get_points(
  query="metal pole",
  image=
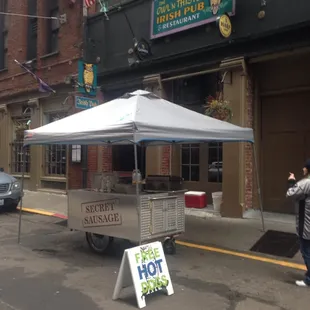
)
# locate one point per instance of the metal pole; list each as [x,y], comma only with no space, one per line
[137,191]
[258,187]
[21,199]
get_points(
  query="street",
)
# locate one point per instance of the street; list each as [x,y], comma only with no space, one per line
[53,268]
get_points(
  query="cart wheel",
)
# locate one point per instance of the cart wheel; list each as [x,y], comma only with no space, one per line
[169,246]
[98,243]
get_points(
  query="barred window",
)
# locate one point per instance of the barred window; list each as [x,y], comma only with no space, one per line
[55,155]
[20,154]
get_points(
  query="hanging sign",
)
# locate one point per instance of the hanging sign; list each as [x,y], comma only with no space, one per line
[171,16]
[84,103]
[87,78]
[142,49]
[146,268]
[225,26]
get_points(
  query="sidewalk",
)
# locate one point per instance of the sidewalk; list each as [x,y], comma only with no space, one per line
[204,228]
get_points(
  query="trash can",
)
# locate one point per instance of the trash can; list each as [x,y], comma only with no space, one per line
[217,201]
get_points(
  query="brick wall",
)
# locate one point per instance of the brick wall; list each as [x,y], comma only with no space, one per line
[165,160]
[75,176]
[53,68]
[248,147]
[107,159]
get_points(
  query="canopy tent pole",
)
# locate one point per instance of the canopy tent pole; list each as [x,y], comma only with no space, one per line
[137,189]
[21,199]
[258,186]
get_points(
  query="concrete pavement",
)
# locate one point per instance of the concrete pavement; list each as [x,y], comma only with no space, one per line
[54,269]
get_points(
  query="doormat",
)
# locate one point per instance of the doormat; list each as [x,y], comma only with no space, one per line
[277,243]
[62,223]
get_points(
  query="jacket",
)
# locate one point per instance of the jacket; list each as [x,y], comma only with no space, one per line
[300,194]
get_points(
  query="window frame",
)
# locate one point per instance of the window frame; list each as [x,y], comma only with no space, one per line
[53,27]
[4,35]
[49,149]
[189,164]
[18,151]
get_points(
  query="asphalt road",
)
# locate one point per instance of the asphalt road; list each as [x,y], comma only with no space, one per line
[54,269]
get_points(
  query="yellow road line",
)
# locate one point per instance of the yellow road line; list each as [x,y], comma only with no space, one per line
[243,255]
[41,212]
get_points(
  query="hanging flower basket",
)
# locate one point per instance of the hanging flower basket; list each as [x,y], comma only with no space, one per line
[218,108]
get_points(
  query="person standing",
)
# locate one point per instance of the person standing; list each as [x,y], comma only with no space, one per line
[300,194]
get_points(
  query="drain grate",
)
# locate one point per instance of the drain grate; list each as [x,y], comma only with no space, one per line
[63,223]
[277,243]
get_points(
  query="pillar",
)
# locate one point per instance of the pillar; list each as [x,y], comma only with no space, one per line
[157,157]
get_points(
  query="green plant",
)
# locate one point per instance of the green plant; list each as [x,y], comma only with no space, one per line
[218,108]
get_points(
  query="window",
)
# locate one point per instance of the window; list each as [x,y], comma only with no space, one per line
[32,31]
[3,34]
[215,167]
[76,153]
[190,162]
[123,158]
[52,27]
[55,155]
[20,154]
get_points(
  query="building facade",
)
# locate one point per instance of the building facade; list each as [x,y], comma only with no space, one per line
[51,49]
[175,49]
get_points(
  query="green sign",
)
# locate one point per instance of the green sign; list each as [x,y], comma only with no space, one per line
[171,16]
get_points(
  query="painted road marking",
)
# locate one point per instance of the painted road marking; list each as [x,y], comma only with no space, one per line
[201,247]
[36,211]
[243,255]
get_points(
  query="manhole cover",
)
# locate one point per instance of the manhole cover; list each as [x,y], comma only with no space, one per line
[277,243]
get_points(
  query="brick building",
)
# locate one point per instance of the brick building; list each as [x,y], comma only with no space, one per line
[52,49]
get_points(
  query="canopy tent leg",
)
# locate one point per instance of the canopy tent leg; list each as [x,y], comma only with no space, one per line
[258,186]
[137,191]
[21,199]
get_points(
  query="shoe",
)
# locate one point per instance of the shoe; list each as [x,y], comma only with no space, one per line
[301,284]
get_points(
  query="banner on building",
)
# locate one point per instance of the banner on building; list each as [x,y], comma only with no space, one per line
[87,78]
[146,268]
[171,16]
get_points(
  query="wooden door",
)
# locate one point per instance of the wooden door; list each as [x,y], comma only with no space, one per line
[285,143]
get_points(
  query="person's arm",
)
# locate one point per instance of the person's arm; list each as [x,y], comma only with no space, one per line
[296,191]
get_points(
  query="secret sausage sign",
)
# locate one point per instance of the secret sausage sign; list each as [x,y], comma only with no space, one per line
[101,213]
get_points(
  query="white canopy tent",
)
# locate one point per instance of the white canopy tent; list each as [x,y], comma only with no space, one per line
[139,117]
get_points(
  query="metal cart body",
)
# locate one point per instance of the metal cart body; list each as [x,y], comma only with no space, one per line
[117,215]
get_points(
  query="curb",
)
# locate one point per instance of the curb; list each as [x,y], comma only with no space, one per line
[42,212]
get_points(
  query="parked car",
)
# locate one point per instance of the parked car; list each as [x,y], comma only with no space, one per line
[10,192]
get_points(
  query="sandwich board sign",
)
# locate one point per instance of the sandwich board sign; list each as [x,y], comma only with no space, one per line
[146,268]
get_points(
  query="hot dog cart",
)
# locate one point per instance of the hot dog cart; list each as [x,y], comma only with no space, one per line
[140,213]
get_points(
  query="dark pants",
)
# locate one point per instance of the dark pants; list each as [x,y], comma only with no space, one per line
[305,252]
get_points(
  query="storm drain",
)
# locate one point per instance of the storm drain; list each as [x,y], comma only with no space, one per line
[277,243]
[62,223]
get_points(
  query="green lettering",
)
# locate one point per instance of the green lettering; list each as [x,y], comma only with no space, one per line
[156,252]
[151,254]
[164,281]
[144,288]
[137,255]
[144,256]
